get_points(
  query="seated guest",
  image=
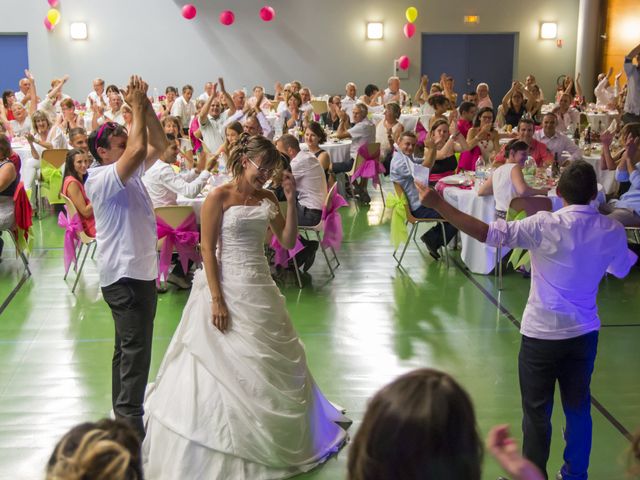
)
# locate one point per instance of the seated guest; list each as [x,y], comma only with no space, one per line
[111,114]
[305,96]
[401,172]
[440,152]
[507,181]
[627,209]
[105,449]
[331,118]
[127,117]
[470,97]
[75,174]
[568,117]
[284,98]
[629,134]
[68,117]
[482,140]
[350,99]
[484,100]
[164,184]
[259,100]
[466,113]
[21,125]
[254,119]
[232,132]
[78,139]
[606,95]
[184,108]
[314,136]
[208,91]
[393,92]
[529,82]
[9,179]
[213,118]
[310,179]
[363,132]
[372,96]
[557,143]
[253,126]
[573,89]
[22,95]
[51,103]
[388,131]
[171,94]
[8,99]
[446,82]
[97,95]
[292,116]
[440,105]
[513,104]
[420,98]
[538,101]
[537,149]
[422,426]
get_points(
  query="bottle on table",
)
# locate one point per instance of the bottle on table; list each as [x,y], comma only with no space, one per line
[481,171]
[576,136]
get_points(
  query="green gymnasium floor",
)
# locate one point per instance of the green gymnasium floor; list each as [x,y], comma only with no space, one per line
[361,329]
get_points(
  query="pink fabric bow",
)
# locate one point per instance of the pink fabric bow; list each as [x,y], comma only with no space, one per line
[421,133]
[332,236]
[283,256]
[72,226]
[370,168]
[440,187]
[183,238]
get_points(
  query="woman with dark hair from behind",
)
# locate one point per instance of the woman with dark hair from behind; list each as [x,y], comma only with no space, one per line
[105,450]
[422,426]
[372,96]
[75,174]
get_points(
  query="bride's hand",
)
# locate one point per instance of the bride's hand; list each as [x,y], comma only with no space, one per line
[220,314]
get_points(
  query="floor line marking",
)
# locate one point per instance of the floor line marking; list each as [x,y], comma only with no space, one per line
[14,292]
[601,408]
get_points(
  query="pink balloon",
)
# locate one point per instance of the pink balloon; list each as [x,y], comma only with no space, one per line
[403,62]
[409,30]
[189,11]
[267,13]
[47,24]
[227,17]
[53,3]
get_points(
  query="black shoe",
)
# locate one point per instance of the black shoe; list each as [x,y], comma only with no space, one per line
[431,246]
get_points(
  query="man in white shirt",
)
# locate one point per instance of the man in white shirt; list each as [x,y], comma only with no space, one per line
[252,118]
[258,95]
[568,117]
[97,95]
[556,142]
[350,99]
[632,103]
[305,96]
[362,133]
[606,95]
[126,238]
[571,250]
[208,91]
[184,108]
[393,92]
[213,120]
[51,103]
[22,95]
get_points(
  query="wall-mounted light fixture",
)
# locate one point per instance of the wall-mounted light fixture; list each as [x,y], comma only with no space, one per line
[375,31]
[472,19]
[78,31]
[548,30]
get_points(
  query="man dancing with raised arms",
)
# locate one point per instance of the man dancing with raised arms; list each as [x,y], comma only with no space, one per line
[126,237]
[571,250]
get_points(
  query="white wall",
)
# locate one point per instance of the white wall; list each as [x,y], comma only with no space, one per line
[320,42]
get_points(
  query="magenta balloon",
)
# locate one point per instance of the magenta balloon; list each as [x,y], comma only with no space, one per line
[47,24]
[189,11]
[227,17]
[53,3]
[267,13]
[409,30]
[403,62]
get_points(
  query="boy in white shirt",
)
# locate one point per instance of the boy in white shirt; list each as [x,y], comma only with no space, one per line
[184,108]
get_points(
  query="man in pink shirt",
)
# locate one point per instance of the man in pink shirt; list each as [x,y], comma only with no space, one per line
[537,150]
[571,250]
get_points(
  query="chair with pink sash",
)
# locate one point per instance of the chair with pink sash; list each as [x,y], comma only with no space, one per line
[177,231]
[75,240]
[421,134]
[368,165]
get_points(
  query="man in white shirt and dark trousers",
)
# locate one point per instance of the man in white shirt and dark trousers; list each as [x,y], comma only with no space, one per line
[126,238]
[571,250]
[632,103]
[311,184]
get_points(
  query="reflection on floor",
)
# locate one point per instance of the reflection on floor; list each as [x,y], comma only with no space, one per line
[361,329]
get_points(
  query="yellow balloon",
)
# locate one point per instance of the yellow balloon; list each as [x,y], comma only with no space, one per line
[54,16]
[411,14]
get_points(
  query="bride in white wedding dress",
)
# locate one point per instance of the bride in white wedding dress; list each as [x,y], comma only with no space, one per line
[234,398]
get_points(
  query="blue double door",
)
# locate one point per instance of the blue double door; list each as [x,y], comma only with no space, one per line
[15,59]
[471,59]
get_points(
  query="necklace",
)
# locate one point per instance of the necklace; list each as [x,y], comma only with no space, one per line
[248,198]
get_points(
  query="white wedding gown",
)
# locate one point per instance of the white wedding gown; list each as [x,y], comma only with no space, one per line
[238,405]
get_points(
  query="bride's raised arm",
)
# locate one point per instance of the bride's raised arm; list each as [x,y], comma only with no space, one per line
[211,223]
[286,231]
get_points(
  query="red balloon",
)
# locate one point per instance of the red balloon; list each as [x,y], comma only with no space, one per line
[267,13]
[227,17]
[53,3]
[47,24]
[189,11]
[409,30]
[403,62]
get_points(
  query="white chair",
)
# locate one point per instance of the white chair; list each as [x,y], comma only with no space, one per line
[85,243]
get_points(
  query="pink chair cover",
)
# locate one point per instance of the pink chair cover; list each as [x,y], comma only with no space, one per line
[283,256]
[72,227]
[370,168]
[184,239]
[421,132]
[332,236]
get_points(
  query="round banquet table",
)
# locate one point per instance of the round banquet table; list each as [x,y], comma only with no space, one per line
[339,152]
[477,256]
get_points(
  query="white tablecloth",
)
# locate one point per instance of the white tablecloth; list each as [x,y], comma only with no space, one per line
[477,256]
[605,177]
[196,203]
[338,152]
[408,120]
[600,121]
